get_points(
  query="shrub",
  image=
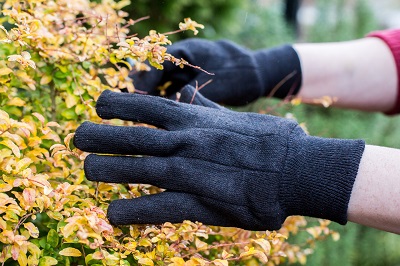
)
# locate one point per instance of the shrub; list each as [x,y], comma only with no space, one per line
[56,58]
[167,14]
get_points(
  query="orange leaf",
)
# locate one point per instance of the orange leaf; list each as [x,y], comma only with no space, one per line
[29,195]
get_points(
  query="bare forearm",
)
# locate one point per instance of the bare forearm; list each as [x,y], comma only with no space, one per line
[375,199]
[361,74]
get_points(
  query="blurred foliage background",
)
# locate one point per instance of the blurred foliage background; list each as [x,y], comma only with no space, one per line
[259,24]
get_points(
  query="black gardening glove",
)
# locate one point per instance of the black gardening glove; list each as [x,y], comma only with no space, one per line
[190,95]
[218,166]
[241,76]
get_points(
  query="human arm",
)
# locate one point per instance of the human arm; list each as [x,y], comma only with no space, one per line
[375,200]
[360,74]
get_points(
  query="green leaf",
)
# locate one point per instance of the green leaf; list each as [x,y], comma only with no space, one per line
[88,258]
[52,238]
[69,114]
[42,243]
[47,261]
[86,64]
[63,68]
[59,82]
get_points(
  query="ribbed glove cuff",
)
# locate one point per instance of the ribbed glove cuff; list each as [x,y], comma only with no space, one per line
[319,176]
[280,70]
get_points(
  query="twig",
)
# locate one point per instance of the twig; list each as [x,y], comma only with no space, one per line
[199,88]
[108,40]
[172,32]
[205,84]
[133,22]
[277,86]
[77,86]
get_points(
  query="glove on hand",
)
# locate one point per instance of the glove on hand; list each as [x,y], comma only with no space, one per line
[192,96]
[218,167]
[241,76]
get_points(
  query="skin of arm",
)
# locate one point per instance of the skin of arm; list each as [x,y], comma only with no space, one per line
[359,74]
[375,198]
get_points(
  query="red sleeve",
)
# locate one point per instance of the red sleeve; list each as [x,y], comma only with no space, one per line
[392,39]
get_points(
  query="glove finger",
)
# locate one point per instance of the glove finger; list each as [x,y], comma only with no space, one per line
[192,96]
[147,81]
[107,139]
[173,173]
[176,207]
[152,110]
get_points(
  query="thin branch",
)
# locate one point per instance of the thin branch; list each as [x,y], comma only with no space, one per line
[133,22]
[277,86]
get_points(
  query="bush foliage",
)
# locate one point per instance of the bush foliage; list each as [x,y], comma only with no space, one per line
[55,60]
[167,14]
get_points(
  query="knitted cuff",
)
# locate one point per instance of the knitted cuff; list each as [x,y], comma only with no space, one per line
[392,39]
[280,70]
[319,176]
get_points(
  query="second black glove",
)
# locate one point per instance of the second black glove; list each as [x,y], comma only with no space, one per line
[240,75]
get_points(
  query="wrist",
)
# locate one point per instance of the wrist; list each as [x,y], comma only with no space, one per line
[279,70]
[319,176]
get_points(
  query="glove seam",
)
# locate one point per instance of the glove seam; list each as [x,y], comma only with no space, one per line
[282,172]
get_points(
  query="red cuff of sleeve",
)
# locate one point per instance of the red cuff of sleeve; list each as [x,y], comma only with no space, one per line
[392,39]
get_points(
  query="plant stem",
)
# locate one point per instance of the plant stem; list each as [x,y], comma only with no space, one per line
[53,94]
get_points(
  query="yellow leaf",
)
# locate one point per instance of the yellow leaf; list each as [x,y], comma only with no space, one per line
[296,101]
[335,236]
[5,187]
[177,261]
[34,250]
[12,146]
[200,245]
[144,242]
[22,259]
[67,140]
[22,164]
[5,71]
[97,255]
[45,80]
[314,231]
[198,261]
[219,262]
[70,252]
[5,122]
[145,262]
[32,229]
[48,261]
[16,102]
[71,100]
[29,195]
[248,253]
[40,117]
[226,255]
[52,124]
[34,141]
[264,244]
[17,139]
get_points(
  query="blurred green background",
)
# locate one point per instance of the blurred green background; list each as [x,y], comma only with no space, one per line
[259,24]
